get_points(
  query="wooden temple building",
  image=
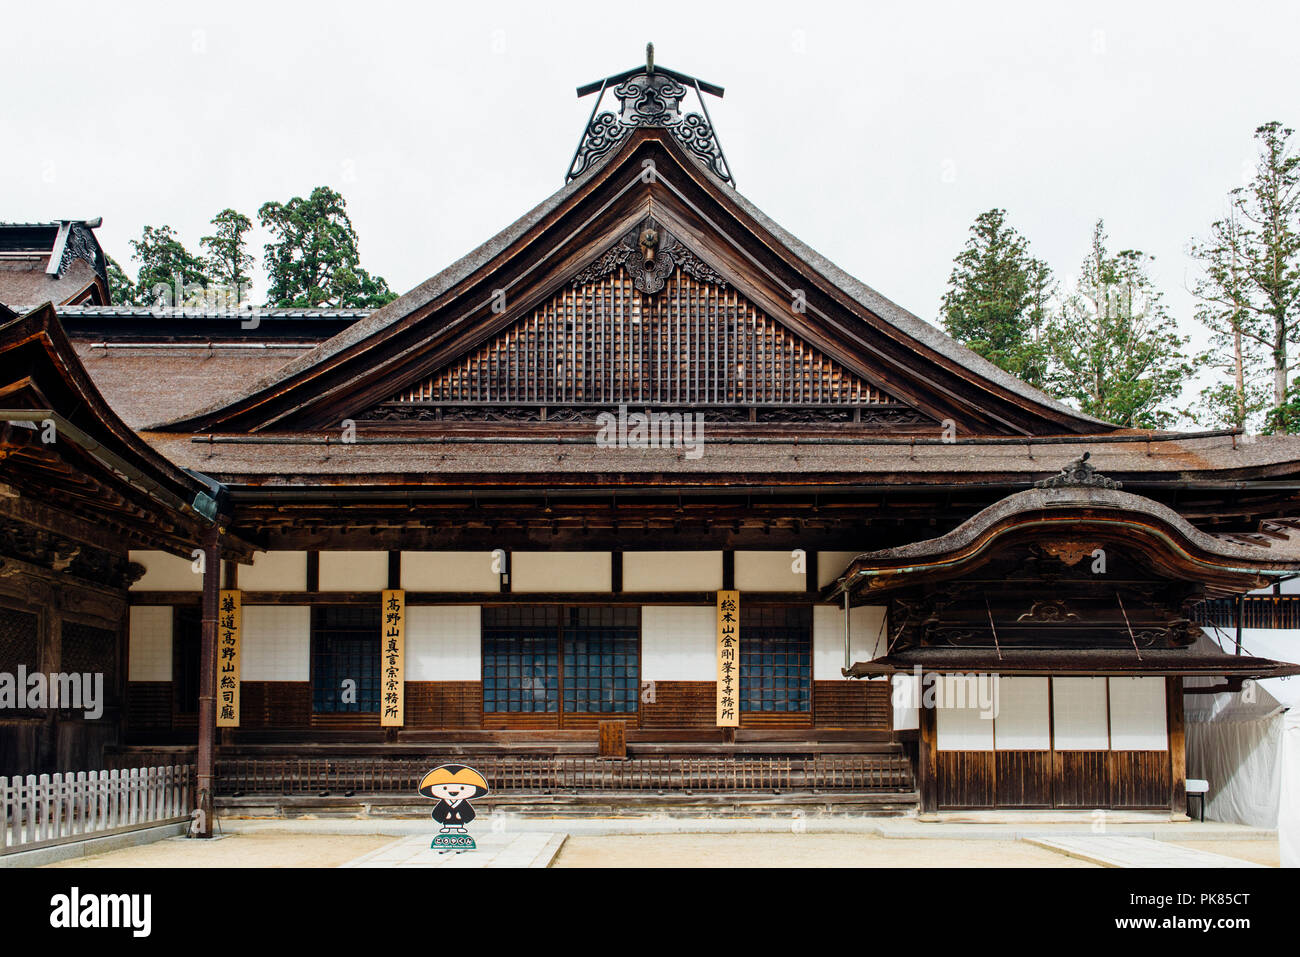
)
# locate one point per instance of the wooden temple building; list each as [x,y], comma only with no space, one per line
[641,501]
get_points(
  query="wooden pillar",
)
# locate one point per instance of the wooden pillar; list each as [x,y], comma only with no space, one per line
[208,679]
[927,740]
[1177,748]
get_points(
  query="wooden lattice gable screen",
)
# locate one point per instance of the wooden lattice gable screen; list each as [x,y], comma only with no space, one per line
[693,344]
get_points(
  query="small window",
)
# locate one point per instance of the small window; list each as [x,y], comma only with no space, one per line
[775,658]
[345,659]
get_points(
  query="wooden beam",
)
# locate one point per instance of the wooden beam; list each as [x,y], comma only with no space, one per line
[208,680]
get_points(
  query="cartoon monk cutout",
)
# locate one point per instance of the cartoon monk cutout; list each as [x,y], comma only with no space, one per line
[453,786]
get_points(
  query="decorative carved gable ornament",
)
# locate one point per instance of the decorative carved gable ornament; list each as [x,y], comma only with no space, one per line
[649,254]
[650,97]
[1078,474]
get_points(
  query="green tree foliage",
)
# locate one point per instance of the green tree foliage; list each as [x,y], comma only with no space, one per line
[997,302]
[165,262]
[1250,283]
[228,262]
[313,261]
[1236,351]
[1116,351]
[121,290]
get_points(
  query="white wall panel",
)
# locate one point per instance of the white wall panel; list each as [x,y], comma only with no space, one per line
[866,640]
[678,643]
[166,572]
[451,571]
[1137,715]
[275,571]
[831,564]
[1023,722]
[963,729]
[672,571]
[444,643]
[768,571]
[353,571]
[276,643]
[560,572]
[1079,714]
[149,654]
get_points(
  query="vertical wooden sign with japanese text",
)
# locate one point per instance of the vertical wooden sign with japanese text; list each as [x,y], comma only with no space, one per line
[728,659]
[392,712]
[230,617]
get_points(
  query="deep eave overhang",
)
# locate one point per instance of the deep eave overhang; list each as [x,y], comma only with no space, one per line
[1172,663]
[42,381]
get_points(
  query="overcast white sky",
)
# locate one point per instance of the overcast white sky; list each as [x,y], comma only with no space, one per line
[874,132]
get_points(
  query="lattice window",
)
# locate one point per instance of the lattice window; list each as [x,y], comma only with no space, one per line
[605,343]
[17,640]
[601,660]
[521,659]
[775,658]
[345,647]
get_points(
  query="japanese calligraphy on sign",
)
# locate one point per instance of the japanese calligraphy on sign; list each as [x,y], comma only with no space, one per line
[728,659]
[392,702]
[230,616]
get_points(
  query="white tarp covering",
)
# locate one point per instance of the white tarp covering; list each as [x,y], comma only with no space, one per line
[1247,745]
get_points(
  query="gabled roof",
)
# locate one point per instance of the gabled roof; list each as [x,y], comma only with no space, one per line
[58,262]
[63,447]
[453,312]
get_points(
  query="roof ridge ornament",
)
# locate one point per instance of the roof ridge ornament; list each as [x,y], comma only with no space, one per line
[650,97]
[1078,474]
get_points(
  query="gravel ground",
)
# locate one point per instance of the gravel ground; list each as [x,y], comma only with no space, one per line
[262,849]
[800,850]
[1258,852]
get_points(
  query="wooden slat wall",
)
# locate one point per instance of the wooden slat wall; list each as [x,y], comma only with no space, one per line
[605,342]
[853,704]
[149,705]
[1139,779]
[776,719]
[1081,778]
[274,704]
[965,779]
[444,704]
[1023,778]
[680,704]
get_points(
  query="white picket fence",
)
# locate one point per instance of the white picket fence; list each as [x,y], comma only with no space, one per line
[50,807]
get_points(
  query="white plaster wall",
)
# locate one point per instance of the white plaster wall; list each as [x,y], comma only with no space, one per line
[963,729]
[1023,721]
[905,692]
[353,571]
[768,571]
[444,643]
[672,571]
[165,572]
[866,640]
[275,571]
[831,564]
[149,652]
[451,571]
[1137,714]
[679,643]
[276,643]
[560,571]
[1079,714]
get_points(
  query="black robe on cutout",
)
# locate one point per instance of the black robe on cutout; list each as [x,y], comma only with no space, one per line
[449,816]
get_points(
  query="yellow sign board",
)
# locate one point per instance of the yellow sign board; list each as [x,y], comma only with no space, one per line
[728,659]
[230,616]
[392,699]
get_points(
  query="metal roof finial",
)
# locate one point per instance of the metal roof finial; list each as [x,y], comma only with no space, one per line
[650,58]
